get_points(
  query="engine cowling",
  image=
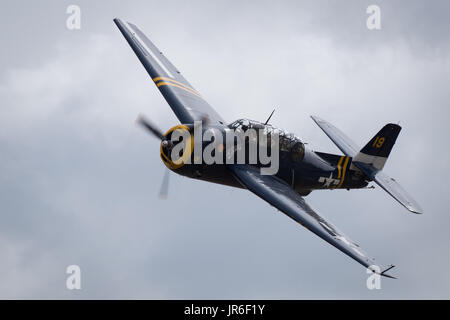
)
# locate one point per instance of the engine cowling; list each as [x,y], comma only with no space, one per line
[179,134]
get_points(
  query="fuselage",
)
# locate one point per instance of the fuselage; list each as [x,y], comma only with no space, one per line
[303,169]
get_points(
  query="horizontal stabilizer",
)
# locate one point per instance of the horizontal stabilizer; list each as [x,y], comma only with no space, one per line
[397,192]
[344,143]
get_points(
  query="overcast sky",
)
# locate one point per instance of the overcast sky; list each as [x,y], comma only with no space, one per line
[79,180]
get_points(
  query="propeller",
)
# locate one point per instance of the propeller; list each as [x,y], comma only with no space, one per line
[155,131]
[150,127]
[164,190]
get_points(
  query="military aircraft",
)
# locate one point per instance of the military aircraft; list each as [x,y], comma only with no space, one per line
[300,170]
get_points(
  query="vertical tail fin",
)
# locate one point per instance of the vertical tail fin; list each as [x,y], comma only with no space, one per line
[376,152]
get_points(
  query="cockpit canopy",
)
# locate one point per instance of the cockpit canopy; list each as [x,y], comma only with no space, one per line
[289,142]
[246,124]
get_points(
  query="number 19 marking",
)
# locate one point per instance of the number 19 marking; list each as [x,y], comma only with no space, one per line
[378,142]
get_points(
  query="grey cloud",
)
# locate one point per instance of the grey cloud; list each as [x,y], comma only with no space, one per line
[79,180]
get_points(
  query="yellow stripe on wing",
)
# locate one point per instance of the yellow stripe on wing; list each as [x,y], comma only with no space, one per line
[343,172]
[159,84]
[175,82]
[172,80]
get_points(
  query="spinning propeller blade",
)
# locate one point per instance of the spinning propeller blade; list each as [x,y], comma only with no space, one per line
[164,190]
[150,127]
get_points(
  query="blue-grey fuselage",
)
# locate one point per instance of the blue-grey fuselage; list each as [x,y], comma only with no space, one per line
[303,169]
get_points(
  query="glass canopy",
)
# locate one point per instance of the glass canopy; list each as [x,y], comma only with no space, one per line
[289,142]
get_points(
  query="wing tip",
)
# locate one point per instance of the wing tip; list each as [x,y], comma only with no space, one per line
[139,118]
[120,23]
[315,118]
[416,210]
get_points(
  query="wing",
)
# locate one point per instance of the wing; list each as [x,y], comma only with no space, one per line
[344,143]
[187,104]
[284,198]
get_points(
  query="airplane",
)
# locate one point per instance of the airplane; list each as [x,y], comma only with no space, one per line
[300,171]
